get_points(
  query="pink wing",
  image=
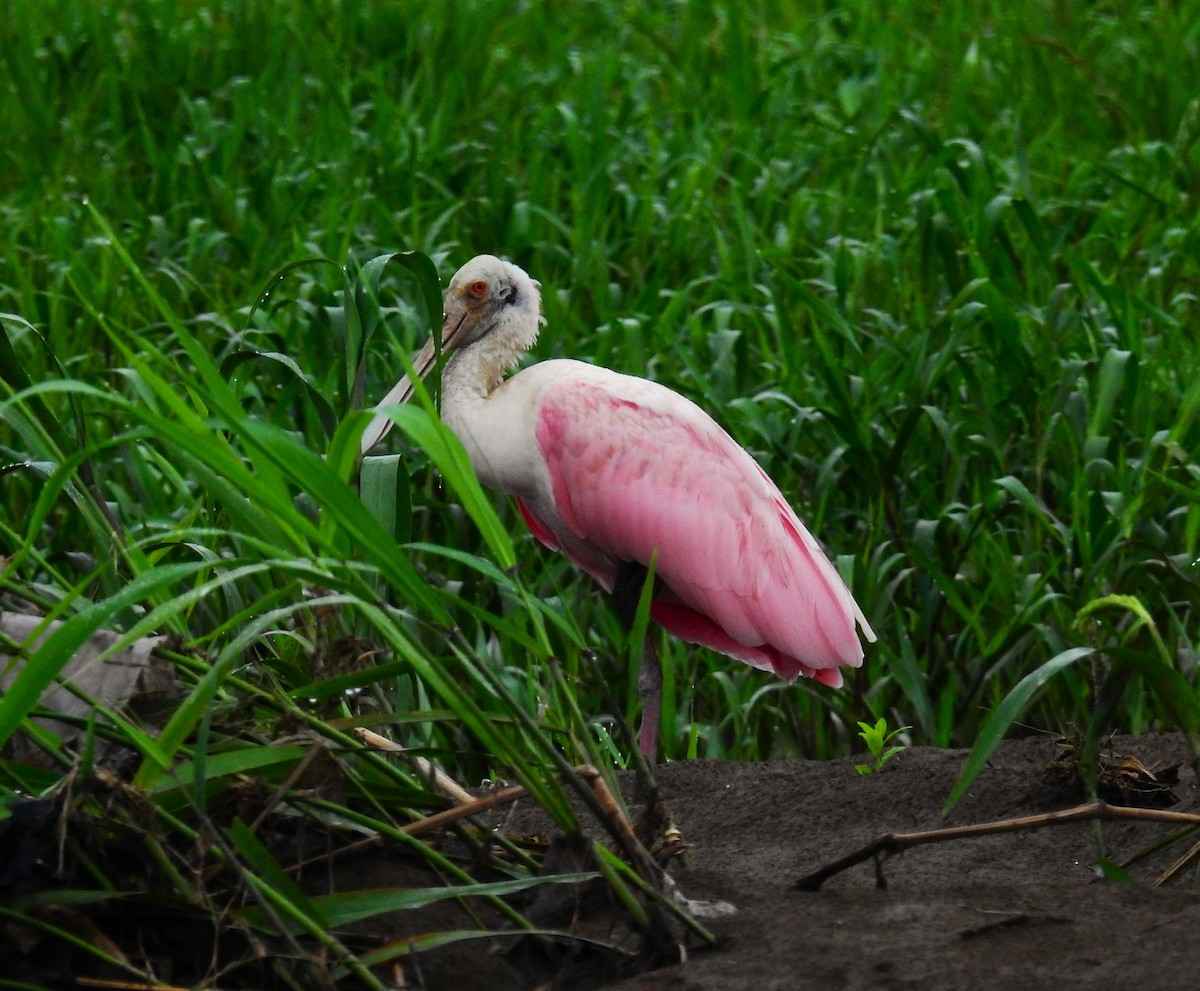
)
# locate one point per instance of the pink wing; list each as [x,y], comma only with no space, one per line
[636,468]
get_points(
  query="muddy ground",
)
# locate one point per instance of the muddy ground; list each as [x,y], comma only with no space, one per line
[1024,910]
[1018,911]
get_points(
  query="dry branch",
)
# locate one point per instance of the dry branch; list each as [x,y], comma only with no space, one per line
[891,843]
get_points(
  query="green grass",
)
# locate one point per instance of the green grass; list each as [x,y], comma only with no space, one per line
[938,269]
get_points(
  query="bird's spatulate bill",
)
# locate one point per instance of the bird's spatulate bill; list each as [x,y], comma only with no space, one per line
[402,391]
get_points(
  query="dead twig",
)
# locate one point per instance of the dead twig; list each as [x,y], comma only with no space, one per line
[891,843]
[468,805]
[448,786]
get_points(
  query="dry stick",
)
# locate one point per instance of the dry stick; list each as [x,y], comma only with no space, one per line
[450,788]
[471,808]
[512,793]
[469,805]
[891,843]
[421,826]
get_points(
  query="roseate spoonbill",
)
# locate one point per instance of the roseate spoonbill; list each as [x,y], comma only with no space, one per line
[610,470]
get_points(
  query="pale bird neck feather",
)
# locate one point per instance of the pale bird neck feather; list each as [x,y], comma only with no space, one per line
[478,369]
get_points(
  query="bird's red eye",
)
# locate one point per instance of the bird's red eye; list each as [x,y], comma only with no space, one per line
[478,287]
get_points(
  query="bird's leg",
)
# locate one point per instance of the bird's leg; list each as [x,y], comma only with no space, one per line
[650,684]
[627,591]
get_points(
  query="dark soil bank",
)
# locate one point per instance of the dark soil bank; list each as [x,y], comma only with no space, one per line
[1018,911]
[1023,911]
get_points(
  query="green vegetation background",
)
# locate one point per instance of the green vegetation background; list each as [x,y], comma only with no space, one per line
[935,266]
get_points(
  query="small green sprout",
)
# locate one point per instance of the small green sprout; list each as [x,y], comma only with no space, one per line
[877,739]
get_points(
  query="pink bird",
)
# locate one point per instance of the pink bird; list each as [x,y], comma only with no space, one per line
[613,470]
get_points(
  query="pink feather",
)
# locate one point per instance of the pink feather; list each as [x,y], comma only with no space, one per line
[636,469]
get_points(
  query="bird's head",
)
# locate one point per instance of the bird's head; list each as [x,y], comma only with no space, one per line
[491,296]
[488,300]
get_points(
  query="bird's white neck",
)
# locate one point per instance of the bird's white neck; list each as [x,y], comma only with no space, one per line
[485,413]
[476,370]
